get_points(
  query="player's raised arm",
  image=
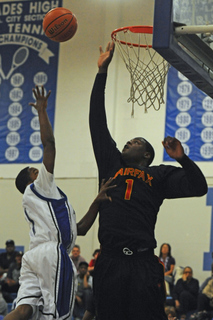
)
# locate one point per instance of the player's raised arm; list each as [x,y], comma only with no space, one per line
[101,137]
[47,137]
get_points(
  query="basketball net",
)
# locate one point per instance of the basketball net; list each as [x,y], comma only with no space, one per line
[147,68]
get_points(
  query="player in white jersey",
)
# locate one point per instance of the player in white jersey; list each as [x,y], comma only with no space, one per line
[47,281]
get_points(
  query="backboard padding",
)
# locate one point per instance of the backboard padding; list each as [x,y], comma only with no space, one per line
[165,42]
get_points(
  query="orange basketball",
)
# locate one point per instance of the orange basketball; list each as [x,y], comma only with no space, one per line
[60,24]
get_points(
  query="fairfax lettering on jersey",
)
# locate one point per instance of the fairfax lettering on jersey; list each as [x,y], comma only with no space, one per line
[135,173]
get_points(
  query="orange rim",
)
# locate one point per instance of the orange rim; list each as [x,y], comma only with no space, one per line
[133,29]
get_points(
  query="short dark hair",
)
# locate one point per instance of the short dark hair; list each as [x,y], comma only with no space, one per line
[150,149]
[22,179]
[10,243]
[76,246]
[83,263]
[96,251]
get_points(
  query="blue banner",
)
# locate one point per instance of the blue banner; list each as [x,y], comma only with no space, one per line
[208,256]
[27,58]
[189,117]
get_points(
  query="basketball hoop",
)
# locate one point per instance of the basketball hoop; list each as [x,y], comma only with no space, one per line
[147,68]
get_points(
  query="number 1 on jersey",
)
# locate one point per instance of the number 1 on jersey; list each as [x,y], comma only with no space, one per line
[128,192]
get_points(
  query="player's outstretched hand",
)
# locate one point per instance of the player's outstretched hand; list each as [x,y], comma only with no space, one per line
[105,57]
[41,99]
[173,147]
[105,186]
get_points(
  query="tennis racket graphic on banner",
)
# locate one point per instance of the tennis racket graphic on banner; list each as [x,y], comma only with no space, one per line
[19,58]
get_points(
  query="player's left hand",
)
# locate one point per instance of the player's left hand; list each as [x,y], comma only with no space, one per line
[173,147]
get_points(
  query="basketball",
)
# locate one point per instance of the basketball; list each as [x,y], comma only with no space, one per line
[60,24]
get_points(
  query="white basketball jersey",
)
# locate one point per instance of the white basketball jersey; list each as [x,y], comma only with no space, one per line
[49,213]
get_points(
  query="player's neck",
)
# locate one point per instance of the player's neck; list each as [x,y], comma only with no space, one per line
[142,163]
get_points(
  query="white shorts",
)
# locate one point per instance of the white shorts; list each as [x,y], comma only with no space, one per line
[47,282]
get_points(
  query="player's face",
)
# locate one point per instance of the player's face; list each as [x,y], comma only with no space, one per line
[134,150]
[33,172]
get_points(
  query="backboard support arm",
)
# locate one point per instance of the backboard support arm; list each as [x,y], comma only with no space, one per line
[196,66]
